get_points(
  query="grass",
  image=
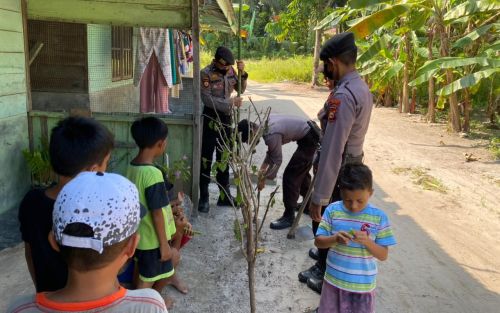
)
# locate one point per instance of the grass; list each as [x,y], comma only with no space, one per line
[296,69]
[420,177]
[494,147]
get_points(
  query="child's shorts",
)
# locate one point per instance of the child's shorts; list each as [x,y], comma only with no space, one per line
[150,267]
[335,300]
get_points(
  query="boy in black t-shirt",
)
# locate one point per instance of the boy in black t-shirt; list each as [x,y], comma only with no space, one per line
[76,144]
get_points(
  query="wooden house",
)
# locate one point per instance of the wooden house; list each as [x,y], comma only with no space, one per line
[43,79]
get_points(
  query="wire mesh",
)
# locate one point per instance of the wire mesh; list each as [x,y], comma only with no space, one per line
[110,69]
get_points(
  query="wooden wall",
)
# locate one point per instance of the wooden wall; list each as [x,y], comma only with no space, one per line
[152,13]
[14,177]
[180,137]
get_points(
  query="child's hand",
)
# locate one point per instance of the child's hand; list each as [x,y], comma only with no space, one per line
[343,237]
[165,252]
[361,237]
[188,230]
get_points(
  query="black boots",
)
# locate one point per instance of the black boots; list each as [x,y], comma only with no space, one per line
[203,204]
[282,223]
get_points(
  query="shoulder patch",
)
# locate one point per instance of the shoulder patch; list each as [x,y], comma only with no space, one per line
[332,106]
[206,82]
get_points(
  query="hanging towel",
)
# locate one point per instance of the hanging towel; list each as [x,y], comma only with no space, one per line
[153,40]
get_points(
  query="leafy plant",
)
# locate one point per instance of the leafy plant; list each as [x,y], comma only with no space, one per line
[39,164]
[180,170]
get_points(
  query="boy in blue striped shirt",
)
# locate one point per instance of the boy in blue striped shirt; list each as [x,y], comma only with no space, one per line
[356,234]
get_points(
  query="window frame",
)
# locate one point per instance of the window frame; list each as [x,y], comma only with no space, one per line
[121,53]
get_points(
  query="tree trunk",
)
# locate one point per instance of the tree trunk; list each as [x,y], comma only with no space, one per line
[413,105]
[251,285]
[492,105]
[431,105]
[454,112]
[251,234]
[405,105]
[317,47]
[467,110]
[388,97]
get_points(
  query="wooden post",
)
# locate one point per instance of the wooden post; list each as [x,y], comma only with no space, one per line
[197,105]
[29,105]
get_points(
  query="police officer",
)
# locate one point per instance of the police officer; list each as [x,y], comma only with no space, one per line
[218,81]
[345,118]
[281,130]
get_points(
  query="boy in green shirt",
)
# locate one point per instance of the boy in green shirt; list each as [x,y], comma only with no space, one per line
[155,259]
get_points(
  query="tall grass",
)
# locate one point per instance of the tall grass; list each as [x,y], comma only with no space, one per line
[295,69]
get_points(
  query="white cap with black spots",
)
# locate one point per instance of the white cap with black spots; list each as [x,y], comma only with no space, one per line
[107,203]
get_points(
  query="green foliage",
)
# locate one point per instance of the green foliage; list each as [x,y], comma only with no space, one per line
[373,22]
[472,7]
[39,164]
[494,147]
[467,81]
[179,170]
[237,230]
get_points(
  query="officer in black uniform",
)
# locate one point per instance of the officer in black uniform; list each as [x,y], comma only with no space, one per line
[344,119]
[218,81]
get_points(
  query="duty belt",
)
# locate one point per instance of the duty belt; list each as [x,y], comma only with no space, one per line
[316,130]
[348,158]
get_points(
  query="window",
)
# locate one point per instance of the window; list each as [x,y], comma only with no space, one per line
[121,52]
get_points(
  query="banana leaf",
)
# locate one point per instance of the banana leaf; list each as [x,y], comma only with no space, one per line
[474,35]
[466,81]
[472,7]
[361,4]
[371,23]
[453,62]
[374,49]
[423,78]
[332,19]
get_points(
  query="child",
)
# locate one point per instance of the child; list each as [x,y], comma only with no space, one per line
[184,229]
[356,233]
[76,144]
[95,222]
[155,259]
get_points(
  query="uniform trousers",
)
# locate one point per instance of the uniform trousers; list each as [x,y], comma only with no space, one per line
[296,178]
[210,142]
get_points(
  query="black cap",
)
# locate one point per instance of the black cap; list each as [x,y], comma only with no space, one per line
[245,128]
[337,45]
[224,56]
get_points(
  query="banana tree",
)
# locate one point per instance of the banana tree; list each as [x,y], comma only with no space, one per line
[436,16]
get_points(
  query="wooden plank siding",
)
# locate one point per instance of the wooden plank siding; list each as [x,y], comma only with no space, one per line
[14,178]
[148,13]
[180,137]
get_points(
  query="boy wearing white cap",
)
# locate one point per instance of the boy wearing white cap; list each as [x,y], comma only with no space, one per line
[95,222]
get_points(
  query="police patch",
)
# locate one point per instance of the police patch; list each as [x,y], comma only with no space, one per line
[333,105]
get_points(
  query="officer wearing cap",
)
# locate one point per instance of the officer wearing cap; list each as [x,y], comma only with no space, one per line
[218,81]
[344,118]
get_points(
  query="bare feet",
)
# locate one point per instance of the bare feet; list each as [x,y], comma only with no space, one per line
[169,302]
[178,284]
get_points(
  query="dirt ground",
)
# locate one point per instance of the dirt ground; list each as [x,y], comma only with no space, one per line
[447,257]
